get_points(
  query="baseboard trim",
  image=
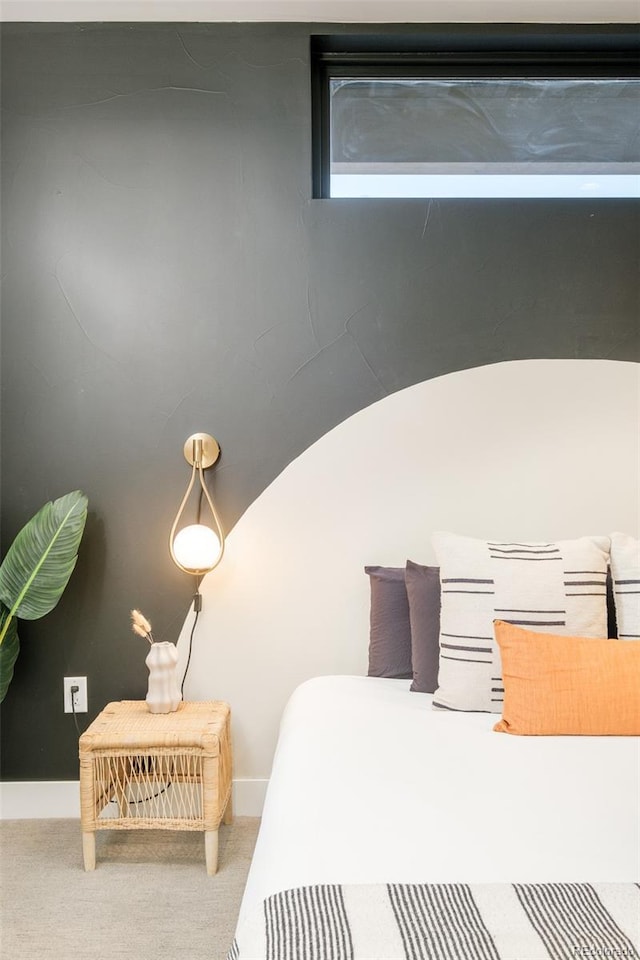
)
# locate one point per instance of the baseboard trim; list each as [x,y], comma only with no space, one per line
[36,800]
[60,799]
[248,797]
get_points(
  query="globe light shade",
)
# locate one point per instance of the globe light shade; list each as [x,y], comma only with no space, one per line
[196,548]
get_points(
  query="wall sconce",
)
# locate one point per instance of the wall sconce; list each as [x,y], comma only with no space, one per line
[197,548]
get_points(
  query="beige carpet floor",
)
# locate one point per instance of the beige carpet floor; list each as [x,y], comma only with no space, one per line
[148,899]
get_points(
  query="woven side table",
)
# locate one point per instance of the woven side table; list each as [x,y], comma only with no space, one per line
[143,771]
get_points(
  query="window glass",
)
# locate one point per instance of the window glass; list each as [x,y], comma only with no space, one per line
[484,137]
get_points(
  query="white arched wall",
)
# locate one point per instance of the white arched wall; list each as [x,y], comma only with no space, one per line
[525,449]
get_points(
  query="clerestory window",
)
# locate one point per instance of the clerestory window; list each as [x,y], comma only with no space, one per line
[543,114]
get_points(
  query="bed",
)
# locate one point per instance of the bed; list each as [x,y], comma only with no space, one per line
[495,818]
[372,789]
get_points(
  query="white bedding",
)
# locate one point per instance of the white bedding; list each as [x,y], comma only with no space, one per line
[370,785]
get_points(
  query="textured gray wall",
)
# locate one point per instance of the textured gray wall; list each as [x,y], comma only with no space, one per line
[165,270]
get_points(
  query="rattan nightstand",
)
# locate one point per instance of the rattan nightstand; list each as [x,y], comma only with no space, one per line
[143,771]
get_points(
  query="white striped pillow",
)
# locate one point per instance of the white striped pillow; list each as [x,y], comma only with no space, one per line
[557,587]
[625,570]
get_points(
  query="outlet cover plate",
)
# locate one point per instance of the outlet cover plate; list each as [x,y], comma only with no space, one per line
[81,703]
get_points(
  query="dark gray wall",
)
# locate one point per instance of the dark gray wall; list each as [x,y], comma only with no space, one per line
[165,270]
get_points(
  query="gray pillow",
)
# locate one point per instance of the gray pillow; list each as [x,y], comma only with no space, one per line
[390,630]
[423,593]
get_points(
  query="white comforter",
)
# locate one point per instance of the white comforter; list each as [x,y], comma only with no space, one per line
[370,785]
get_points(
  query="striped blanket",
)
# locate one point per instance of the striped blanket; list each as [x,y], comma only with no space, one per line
[456,921]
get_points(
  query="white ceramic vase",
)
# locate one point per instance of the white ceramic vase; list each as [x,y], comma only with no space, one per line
[164,694]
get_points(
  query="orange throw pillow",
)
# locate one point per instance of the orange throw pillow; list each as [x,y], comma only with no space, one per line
[555,685]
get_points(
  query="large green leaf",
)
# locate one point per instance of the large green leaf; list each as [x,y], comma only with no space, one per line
[8,650]
[41,559]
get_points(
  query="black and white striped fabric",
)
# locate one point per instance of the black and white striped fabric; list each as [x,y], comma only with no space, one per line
[556,587]
[625,570]
[555,921]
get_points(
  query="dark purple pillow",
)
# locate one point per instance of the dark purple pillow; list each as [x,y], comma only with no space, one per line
[423,593]
[390,630]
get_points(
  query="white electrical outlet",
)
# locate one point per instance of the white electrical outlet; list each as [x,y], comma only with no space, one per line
[80,696]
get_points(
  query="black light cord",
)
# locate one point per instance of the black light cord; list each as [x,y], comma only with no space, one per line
[75,689]
[146,799]
[197,606]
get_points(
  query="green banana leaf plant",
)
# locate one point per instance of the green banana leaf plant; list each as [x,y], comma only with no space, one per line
[36,570]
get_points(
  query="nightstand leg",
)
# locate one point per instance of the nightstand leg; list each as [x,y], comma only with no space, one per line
[211,851]
[227,816]
[89,850]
